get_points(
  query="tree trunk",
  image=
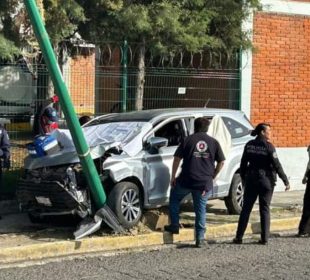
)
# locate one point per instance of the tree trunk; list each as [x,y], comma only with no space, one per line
[140,78]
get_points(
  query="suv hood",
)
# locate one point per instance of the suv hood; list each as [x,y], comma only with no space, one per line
[127,137]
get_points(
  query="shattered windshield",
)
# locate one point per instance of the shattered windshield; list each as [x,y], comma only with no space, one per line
[126,135]
[122,132]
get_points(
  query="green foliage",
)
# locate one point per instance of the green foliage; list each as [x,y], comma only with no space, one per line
[228,16]
[61,17]
[162,25]
[165,25]
[9,41]
[8,50]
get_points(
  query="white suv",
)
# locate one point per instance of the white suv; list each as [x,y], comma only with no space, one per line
[133,153]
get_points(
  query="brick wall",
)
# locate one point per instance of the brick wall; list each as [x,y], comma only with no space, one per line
[281,77]
[82,83]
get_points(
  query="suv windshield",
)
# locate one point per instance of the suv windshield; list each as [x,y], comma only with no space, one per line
[122,132]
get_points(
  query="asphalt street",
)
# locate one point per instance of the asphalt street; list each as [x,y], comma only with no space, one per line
[283,258]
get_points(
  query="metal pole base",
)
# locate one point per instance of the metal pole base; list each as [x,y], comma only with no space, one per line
[89,226]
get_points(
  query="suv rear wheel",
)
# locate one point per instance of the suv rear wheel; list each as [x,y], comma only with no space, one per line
[125,201]
[234,201]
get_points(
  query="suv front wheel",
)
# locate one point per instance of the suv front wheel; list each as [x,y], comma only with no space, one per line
[234,201]
[125,201]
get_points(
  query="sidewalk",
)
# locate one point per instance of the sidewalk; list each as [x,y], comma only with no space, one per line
[20,240]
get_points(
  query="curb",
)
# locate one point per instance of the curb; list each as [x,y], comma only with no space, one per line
[103,244]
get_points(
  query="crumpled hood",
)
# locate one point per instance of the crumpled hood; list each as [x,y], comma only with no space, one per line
[66,157]
[127,137]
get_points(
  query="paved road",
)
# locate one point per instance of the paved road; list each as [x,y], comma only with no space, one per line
[284,258]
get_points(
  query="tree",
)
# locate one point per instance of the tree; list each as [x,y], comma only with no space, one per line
[61,19]
[17,40]
[165,26]
[9,42]
[161,26]
[8,50]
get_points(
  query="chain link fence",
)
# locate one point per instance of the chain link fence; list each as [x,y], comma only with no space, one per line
[101,80]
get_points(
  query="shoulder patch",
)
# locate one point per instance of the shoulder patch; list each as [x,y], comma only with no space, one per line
[274,154]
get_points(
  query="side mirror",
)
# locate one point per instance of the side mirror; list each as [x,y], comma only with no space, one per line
[154,143]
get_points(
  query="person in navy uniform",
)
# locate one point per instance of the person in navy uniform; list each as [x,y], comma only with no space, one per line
[306,206]
[5,161]
[4,149]
[48,117]
[199,153]
[258,170]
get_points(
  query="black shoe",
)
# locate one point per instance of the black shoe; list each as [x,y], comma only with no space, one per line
[301,234]
[200,243]
[263,242]
[172,229]
[237,241]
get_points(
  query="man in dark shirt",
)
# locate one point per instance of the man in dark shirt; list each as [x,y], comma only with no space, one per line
[199,153]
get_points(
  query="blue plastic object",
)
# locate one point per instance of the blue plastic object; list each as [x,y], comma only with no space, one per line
[43,145]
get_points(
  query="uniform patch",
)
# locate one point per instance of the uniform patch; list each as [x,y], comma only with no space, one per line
[201,146]
[275,155]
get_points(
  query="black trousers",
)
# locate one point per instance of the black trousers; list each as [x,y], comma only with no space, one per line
[0,173]
[305,211]
[261,187]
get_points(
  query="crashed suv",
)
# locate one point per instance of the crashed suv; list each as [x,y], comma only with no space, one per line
[133,153]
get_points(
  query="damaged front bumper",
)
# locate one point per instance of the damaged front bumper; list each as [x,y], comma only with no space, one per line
[52,198]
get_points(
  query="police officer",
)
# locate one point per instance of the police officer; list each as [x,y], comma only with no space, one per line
[306,207]
[199,153]
[258,170]
[4,151]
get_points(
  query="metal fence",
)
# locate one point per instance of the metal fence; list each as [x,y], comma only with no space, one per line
[170,88]
[100,82]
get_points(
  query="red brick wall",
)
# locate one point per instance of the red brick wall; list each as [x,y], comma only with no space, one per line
[82,83]
[281,77]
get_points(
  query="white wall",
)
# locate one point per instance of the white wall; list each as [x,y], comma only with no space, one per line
[294,162]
